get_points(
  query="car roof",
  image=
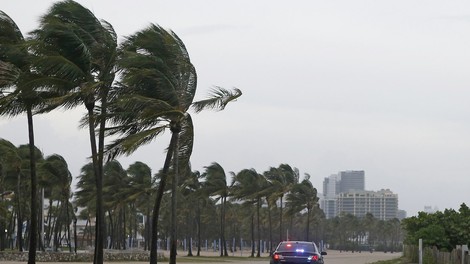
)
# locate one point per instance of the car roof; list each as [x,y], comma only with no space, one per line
[306,245]
[298,242]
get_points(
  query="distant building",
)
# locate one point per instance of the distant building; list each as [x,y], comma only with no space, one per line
[328,205]
[401,214]
[351,181]
[382,204]
[330,186]
[328,201]
[430,210]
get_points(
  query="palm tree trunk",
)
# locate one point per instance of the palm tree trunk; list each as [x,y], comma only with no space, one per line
[223,245]
[258,205]
[190,237]
[67,226]
[252,236]
[270,228]
[280,222]
[308,223]
[222,238]
[160,192]
[100,161]
[198,223]
[174,183]
[98,256]
[111,228]
[19,216]
[33,231]
[147,230]
[224,241]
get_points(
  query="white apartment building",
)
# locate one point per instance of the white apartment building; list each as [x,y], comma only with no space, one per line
[382,204]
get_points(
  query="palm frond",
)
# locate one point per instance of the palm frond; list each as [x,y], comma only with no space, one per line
[218,98]
[9,30]
[127,145]
[9,74]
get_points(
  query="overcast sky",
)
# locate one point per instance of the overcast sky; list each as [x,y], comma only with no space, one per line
[379,86]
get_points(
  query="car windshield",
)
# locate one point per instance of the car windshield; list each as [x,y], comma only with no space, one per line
[297,247]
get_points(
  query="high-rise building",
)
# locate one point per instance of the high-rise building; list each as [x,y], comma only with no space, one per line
[351,181]
[330,186]
[382,204]
[328,205]
[401,214]
[328,201]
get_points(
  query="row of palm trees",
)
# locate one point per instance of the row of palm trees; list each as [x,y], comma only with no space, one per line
[73,58]
[55,183]
[248,207]
[127,192]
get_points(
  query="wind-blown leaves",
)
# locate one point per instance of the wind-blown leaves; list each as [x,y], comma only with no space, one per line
[218,98]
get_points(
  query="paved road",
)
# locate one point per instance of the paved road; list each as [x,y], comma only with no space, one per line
[333,257]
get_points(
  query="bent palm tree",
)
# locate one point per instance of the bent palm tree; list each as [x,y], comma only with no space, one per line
[56,180]
[281,179]
[250,186]
[216,184]
[141,184]
[78,52]
[303,196]
[160,83]
[24,94]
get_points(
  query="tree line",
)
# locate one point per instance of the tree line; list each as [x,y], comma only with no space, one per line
[213,205]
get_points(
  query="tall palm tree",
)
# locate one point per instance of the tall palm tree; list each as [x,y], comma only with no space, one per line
[270,199]
[248,185]
[191,190]
[56,179]
[142,185]
[79,50]
[215,184]
[10,163]
[281,180]
[159,82]
[25,173]
[116,195]
[85,197]
[303,196]
[22,83]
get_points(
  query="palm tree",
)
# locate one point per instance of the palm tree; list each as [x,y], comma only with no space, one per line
[20,82]
[56,179]
[159,82]
[250,186]
[281,180]
[215,184]
[116,194]
[79,52]
[10,163]
[140,176]
[191,190]
[85,195]
[23,191]
[303,196]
